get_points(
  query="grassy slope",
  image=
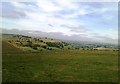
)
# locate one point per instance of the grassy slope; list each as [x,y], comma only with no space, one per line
[7,48]
[7,37]
[64,65]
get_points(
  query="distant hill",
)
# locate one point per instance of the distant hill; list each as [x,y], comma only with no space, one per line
[28,43]
[33,43]
[89,44]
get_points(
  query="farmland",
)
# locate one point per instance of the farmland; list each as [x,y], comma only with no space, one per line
[58,65]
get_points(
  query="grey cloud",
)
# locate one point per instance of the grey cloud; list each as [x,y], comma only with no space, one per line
[79,29]
[66,26]
[106,39]
[9,11]
[50,25]
[57,35]
[12,14]
[29,3]
[60,35]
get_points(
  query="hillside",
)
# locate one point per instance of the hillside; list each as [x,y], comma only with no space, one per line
[28,43]
[34,43]
[8,48]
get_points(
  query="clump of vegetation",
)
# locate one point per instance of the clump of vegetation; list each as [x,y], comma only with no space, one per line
[55,44]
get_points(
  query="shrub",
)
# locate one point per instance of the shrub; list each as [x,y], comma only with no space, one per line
[41,40]
[34,46]
[9,41]
[44,46]
[68,48]
[55,44]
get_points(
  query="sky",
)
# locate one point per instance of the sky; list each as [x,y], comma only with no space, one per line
[90,21]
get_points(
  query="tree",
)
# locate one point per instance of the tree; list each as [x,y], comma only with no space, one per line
[9,41]
[77,48]
[83,48]
[68,48]
[41,40]
[55,44]
[50,48]
[44,46]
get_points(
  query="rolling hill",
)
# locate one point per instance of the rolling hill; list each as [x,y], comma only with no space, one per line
[8,48]
[35,44]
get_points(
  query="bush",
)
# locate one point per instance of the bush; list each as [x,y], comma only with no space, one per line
[68,48]
[9,41]
[44,46]
[56,44]
[34,46]
[49,48]
[41,40]
[77,48]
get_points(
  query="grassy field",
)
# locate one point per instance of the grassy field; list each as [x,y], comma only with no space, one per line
[59,65]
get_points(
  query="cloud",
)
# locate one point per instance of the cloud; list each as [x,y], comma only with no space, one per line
[70,19]
[61,36]
[51,25]
[79,29]
[106,39]
[48,6]
[13,15]
[57,35]
[18,4]
[22,5]
[13,10]
[40,21]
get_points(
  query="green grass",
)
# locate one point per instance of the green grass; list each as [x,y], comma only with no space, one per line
[59,65]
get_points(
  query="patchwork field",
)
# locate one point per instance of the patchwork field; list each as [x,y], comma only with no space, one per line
[59,65]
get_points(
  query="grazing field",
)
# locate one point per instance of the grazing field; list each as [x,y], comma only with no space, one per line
[59,65]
